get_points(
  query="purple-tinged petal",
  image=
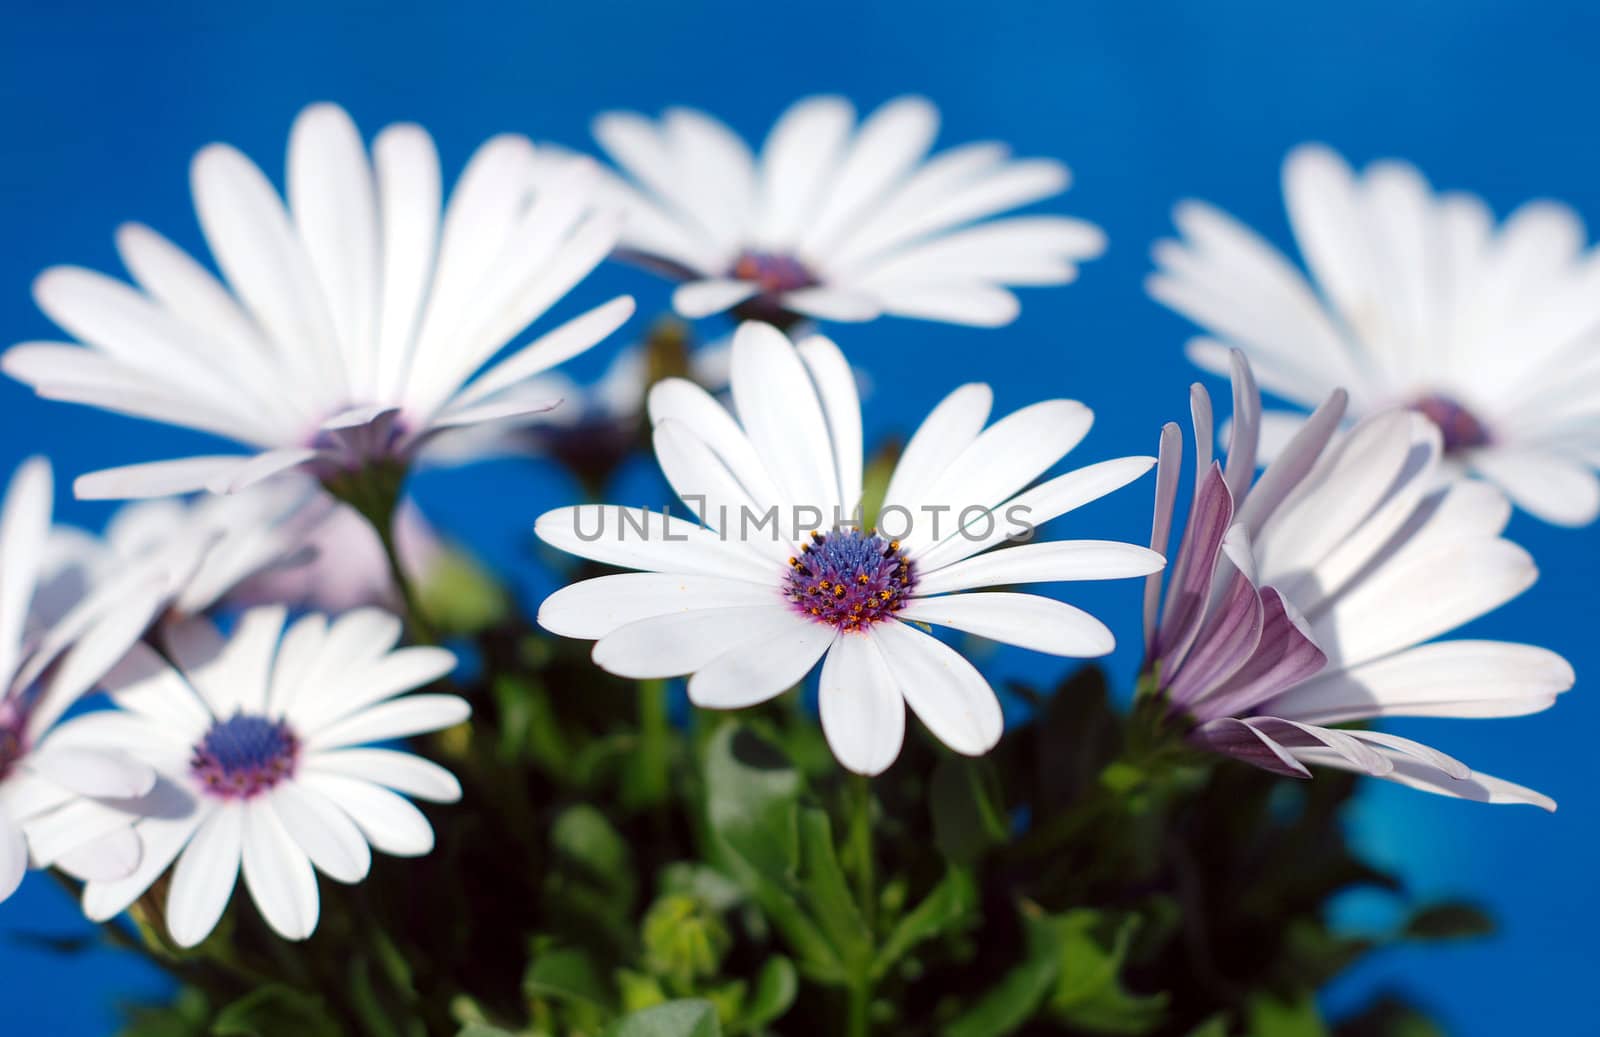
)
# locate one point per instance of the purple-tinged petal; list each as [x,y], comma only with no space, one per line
[1233,737]
[1294,736]
[1286,471]
[1284,657]
[1228,637]
[1205,432]
[1416,750]
[1189,593]
[1245,435]
[1168,458]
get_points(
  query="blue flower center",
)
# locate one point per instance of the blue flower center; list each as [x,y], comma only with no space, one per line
[849,579]
[244,756]
[774,272]
[1459,427]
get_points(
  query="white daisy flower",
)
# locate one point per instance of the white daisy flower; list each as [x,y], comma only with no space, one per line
[837,221]
[216,544]
[1311,599]
[261,741]
[778,578]
[57,640]
[1416,300]
[355,320]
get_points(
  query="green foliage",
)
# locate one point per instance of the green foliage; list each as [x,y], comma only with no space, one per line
[612,872]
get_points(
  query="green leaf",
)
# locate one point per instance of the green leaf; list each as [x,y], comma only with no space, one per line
[460,595]
[272,1011]
[1017,997]
[1270,1017]
[1216,1026]
[752,792]
[968,818]
[948,906]
[568,976]
[707,885]
[1089,994]
[828,895]
[483,1030]
[752,807]
[587,845]
[1448,920]
[673,1019]
[774,994]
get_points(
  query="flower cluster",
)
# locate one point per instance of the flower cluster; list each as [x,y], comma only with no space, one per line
[258,700]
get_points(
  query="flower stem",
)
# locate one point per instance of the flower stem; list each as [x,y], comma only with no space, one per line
[859,1021]
[374,492]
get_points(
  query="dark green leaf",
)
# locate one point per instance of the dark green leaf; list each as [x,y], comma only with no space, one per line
[948,906]
[1089,994]
[272,1011]
[673,1019]
[1448,920]
[1270,1017]
[774,994]
[827,894]
[1216,1026]
[1018,995]
[968,817]
[566,975]
[588,846]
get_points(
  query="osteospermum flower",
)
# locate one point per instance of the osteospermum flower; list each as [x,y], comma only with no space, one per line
[355,323]
[1418,301]
[837,221]
[263,743]
[215,543]
[1310,599]
[776,577]
[57,642]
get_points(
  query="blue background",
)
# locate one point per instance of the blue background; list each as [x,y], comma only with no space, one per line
[101,106]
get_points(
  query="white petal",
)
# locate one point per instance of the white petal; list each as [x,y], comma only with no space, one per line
[944,434]
[156,478]
[402,772]
[24,528]
[325,832]
[1543,484]
[591,609]
[943,689]
[13,857]
[977,305]
[1416,774]
[278,874]
[779,408]
[261,467]
[1043,562]
[841,406]
[635,538]
[107,774]
[827,302]
[680,400]
[756,669]
[204,877]
[800,155]
[863,713]
[390,823]
[682,642]
[162,838]
[230,674]
[703,298]
[1447,678]
[357,688]
[1025,620]
[114,855]
[398,718]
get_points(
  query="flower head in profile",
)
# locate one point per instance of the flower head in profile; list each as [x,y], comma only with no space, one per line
[1415,300]
[57,640]
[839,221]
[780,574]
[355,323]
[1310,598]
[264,744]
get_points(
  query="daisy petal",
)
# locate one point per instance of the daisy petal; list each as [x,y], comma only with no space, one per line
[757,669]
[278,874]
[1025,620]
[204,877]
[944,690]
[591,609]
[863,714]
[323,831]
[390,823]
[402,772]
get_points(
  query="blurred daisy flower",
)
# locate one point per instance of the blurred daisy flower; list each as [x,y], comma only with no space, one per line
[56,643]
[1416,300]
[355,324]
[261,741]
[839,221]
[1310,599]
[779,575]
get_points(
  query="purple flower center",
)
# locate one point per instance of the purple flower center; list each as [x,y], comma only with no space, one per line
[244,756]
[13,745]
[774,272]
[1459,427]
[848,579]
